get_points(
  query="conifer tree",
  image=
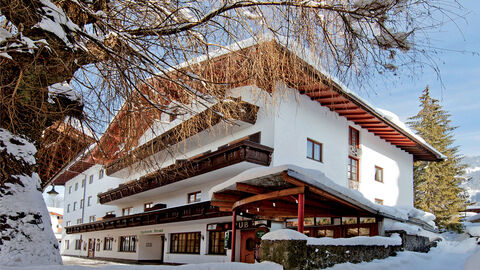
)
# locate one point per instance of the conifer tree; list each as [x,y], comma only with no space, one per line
[436,184]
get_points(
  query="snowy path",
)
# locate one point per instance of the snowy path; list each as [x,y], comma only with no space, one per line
[451,254]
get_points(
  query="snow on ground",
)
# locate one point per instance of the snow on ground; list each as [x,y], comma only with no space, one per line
[73,263]
[455,252]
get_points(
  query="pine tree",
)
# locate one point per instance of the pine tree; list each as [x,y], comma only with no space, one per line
[436,184]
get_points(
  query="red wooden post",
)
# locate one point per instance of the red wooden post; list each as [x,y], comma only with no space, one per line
[234,228]
[301,211]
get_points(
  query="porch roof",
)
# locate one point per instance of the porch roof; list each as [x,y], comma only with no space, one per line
[269,192]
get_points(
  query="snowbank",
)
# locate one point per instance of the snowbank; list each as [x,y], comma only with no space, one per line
[284,234]
[411,229]
[474,218]
[318,179]
[288,234]
[472,229]
[202,266]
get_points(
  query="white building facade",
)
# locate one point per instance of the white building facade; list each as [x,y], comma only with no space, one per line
[172,221]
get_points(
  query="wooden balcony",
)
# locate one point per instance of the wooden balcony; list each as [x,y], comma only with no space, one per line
[243,151]
[176,214]
[237,110]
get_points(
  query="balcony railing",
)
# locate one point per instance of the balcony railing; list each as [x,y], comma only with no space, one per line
[243,151]
[176,214]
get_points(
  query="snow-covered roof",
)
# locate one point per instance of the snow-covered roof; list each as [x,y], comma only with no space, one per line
[319,180]
[311,59]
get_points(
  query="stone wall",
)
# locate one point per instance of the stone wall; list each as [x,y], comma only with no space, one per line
[296,254]
[414,242]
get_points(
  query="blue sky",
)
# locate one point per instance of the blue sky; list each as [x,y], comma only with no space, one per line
[460,74]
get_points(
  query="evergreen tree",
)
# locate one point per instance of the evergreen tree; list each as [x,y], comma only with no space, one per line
[436,184]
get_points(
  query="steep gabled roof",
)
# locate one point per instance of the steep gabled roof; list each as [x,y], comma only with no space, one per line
[273,54]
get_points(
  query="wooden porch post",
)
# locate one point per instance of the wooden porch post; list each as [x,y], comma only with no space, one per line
[301,211]
[234,228]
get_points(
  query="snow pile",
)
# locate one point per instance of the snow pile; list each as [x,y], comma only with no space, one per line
[288,234]
[411,229]
[57,22]
[17,146]
[319,179]
[284,234]
[63,89]
[394,240]
[472,229]
[451,254]
[474,218]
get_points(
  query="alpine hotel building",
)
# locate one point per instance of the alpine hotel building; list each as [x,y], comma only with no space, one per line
[177,199]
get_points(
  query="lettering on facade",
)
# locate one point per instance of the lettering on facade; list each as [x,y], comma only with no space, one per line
[151,231]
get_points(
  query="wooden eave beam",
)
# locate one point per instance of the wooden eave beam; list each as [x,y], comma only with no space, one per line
[319,192]
[225,197]
[269,196]
[343,106]
[221,204]
[323,95]
[315,87]
[249,188]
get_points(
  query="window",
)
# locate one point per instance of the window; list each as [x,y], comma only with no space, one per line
[378,174]
[379,201]
[79,221]
[69,223]
[90,179]
[353,169]
[353,137]
[91,218]
[147,206]
[216,244]
[76,186]
[126,211]
[127,243]
[185,243]
[70,190]
[68,208]
[74,206]
[108,243]
[81,203]
[78,244]
[314,150]
[194,197]
[89,201]
[67,244]
[84,180]
[100,174]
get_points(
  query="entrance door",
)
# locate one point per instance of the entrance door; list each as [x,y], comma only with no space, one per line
[91,248]
[247,246]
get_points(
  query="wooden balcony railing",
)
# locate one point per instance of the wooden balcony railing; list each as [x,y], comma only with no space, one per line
[176,214]
[238,110]
[243,151]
